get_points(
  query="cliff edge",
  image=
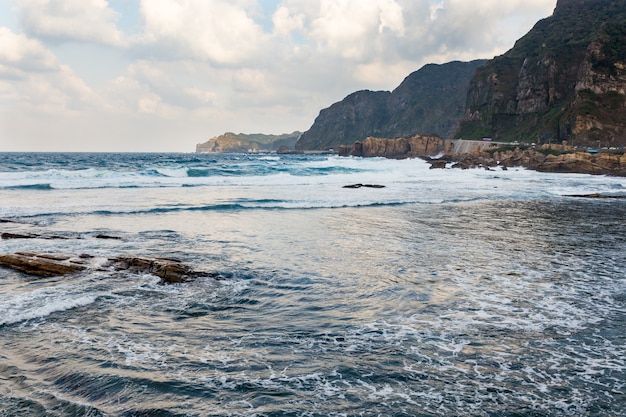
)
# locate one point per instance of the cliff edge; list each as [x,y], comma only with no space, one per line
[564,80]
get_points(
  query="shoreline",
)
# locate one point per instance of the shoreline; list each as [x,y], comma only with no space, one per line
[465,154]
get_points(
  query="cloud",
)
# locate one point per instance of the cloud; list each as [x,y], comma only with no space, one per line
[20,55]
[216,31]
[32,78]
[285,22]
[70,20]
[196,68]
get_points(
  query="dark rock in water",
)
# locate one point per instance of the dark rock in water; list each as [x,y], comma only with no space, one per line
[596,195]
[364,185]
[45,265]
[170,271]
[438,164]
[461,165]
[101,236]
[50,264]
[17,236]
[8,235]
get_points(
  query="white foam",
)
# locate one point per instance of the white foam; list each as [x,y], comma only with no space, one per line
[21,306]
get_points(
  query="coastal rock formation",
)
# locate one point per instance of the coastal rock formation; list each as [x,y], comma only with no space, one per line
[416,146]
[430,100]
[564,80]
[480,154]
[547,158]
[53,264]
[44,264]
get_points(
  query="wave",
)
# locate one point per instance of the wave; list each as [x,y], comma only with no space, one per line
[40,303]
[43,186]
[231,207]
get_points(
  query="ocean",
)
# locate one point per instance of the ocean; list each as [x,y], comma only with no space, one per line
[443,293]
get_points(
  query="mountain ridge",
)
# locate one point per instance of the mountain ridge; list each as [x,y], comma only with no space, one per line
[429,100]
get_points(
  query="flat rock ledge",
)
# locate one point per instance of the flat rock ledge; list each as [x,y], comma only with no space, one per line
[170,271]
[364,186]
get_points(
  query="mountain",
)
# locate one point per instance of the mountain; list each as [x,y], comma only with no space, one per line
[564,80]
[430,100]
[231,142]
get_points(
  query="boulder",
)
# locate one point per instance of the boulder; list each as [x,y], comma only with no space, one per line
[438,164]
[170,271]
[46,264]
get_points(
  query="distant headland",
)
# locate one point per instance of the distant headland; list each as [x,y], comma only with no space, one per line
[548,103]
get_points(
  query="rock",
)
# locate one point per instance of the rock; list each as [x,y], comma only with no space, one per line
[43,264]
[169,270]
[438,164]
[596,195]
[415,146]
[17,236]
[51,264]
[102,236]
[7,235]
[364,185]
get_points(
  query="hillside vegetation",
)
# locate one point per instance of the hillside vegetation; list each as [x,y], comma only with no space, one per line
[564,80]
[256,142]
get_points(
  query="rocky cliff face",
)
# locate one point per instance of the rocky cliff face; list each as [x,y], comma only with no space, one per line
[564,80]
[415,146]
[428,101]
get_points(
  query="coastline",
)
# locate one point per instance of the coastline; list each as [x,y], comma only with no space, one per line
[465,154]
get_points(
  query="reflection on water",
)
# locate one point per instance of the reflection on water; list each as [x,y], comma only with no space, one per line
[478,308]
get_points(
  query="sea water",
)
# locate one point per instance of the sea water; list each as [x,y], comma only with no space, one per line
[445,293]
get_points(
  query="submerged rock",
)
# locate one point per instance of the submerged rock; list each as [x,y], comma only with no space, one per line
[53,264]
[363,185]
[43,264]
[170,271]
[8,235]
[597,195]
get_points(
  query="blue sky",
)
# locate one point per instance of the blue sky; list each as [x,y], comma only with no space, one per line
[163,75]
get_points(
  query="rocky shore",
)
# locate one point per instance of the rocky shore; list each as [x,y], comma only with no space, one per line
[45,264]
[465,154]
[170,271]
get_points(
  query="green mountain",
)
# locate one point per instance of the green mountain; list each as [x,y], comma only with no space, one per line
[564,80]
[257,142]
[430,100]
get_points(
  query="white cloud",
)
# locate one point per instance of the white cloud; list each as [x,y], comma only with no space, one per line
[349,28]
[32,78]
[70,20]
[216,31]
[285,22]
[197,68]
[20,54]
[249,80]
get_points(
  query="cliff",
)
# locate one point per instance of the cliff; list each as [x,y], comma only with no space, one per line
[414,146]
[430,100]
[545,158]
[482,154]
[564,80]
[231,142]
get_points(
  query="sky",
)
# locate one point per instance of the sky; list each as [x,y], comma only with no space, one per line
[164,75]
